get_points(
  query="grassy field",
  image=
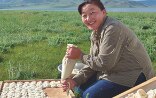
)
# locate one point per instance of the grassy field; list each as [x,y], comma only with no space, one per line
[33,43]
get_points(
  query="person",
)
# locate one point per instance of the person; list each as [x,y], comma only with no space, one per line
[117,60]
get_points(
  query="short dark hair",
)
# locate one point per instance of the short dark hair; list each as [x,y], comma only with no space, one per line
[98,3]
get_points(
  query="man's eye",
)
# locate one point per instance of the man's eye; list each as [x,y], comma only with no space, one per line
[84,16]
[92,12]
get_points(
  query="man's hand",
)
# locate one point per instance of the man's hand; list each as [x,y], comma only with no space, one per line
[73,53]
[68,84]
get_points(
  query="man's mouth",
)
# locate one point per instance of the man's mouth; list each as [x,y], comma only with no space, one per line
[90,23]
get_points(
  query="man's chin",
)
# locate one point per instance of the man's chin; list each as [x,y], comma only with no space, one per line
[90,28]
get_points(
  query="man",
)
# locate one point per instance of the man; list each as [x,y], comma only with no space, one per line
[117,59]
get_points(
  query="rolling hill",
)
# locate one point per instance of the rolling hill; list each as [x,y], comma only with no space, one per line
[71,4]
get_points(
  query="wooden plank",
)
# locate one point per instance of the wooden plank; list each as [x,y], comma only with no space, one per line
[147,85]
[8,81]
[51,92]
[1,83]
[56,93]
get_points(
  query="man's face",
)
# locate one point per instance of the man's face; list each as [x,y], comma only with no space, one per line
[92,16]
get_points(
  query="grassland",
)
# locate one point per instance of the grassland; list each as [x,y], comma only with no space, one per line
[33,43]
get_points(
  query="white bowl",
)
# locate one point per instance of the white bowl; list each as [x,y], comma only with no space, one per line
[78,66]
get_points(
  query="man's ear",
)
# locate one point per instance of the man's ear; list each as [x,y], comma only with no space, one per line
[104,12]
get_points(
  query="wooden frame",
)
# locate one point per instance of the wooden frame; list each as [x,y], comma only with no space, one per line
[147,85]
[49,91]
[1,83]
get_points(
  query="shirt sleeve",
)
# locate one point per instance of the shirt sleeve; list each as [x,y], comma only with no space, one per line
[83,75]
[109,49]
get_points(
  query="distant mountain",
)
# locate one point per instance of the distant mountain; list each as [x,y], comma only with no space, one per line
[122,3]
[71,4]
[149,3]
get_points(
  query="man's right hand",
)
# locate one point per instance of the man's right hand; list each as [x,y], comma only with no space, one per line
[68,84]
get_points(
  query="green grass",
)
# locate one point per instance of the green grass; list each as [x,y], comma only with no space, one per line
[33,43]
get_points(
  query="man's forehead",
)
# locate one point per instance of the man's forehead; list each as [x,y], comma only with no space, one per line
[88,8]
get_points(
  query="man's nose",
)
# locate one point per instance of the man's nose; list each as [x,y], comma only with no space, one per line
[88,18]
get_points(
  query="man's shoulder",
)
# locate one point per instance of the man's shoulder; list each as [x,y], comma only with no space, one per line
[111,21]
